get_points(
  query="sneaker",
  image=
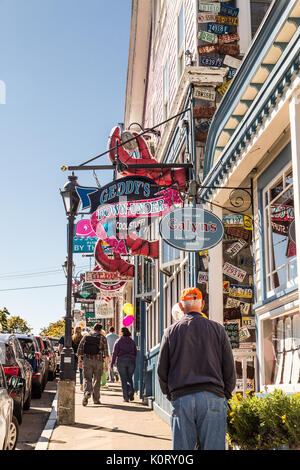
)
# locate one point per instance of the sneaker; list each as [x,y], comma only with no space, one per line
[131,397]
[126,400]
[85,399]
[98,402]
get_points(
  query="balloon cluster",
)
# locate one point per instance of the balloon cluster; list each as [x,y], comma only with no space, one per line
[129,312]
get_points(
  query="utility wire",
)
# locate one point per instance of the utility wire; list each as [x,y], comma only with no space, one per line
[32,287]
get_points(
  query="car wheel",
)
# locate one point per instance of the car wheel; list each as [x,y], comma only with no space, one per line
[28,401]
[13,434]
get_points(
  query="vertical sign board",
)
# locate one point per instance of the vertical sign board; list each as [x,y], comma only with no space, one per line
[232,330]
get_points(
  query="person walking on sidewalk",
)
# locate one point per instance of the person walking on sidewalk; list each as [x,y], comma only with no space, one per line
[111,339]
[124,355]
[196,372]
[93,350]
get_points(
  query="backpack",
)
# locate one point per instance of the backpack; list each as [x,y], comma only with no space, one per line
[92,345]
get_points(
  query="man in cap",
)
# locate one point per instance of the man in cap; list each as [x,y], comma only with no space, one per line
[196,371]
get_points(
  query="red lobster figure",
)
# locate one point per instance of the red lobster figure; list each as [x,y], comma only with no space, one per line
[162,176]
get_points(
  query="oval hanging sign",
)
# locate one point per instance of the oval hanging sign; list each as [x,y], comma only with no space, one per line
[191,229]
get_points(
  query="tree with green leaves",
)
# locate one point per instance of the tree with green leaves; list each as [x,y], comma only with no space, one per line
[54,330]
[17,324]
[4,313]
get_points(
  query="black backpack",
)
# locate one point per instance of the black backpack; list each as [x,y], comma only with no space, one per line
[92,345]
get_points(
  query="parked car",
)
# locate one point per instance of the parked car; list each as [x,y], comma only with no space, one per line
[50,354]
[9,427]
[38,362]
[15,364]
[54,342]
[44,355]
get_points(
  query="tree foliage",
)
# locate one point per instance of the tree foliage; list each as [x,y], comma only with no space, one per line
[17,324]
[54,330]
[4,313]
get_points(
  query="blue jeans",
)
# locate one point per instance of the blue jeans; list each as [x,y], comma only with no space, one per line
[199,416]
[126,368]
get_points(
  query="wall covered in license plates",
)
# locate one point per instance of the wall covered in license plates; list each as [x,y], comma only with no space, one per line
[218,47]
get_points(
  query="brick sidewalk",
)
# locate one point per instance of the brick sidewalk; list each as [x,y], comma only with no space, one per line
[113,425]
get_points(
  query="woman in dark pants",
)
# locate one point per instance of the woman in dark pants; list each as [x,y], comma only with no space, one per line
[124,355]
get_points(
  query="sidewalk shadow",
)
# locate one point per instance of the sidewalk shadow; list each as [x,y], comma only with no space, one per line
[124,407]
[117,430]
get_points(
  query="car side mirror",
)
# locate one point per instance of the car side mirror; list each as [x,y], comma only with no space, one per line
[15,382]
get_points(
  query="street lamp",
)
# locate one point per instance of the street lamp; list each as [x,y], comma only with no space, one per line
[66,385]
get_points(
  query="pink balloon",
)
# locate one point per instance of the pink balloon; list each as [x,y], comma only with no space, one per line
[127,321]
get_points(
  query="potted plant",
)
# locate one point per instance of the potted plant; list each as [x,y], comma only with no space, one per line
[264,422]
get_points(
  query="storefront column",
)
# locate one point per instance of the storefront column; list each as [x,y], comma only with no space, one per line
[215,278]
[295,143]
[244,27]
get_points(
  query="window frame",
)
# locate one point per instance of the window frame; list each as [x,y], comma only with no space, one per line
[269,274]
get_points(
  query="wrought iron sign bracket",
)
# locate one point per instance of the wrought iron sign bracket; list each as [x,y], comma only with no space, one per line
[238,198]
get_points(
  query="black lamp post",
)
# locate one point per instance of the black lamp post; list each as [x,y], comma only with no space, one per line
[71,203]
[67,375]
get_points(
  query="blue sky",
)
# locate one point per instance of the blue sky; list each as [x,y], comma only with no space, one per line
[64,64]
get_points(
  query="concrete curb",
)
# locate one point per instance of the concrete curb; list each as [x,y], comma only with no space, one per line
[45,437]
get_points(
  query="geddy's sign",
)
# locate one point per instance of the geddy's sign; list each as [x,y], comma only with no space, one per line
[191,229]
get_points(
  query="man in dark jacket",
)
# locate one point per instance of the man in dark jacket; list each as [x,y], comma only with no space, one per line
[94,350]
[196,371]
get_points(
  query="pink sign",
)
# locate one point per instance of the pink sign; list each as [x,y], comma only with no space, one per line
[84,229]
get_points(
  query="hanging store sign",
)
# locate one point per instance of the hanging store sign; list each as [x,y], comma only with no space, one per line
[282,213]
[207,37]
[110,285]
[204,93]
[229,20]
[133,188]
[234,272]
[292,232]
[217,28]
[103,310]
[238,232]
[191,229]
[211,61]
[84,244]
[210,6]
[91,276]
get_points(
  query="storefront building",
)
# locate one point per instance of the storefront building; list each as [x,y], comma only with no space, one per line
[182,59]
[253,146]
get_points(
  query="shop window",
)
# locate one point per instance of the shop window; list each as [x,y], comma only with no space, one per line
[282,350]
[281,264]
[259,9]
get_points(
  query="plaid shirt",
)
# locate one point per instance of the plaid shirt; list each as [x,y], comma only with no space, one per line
[103,347]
